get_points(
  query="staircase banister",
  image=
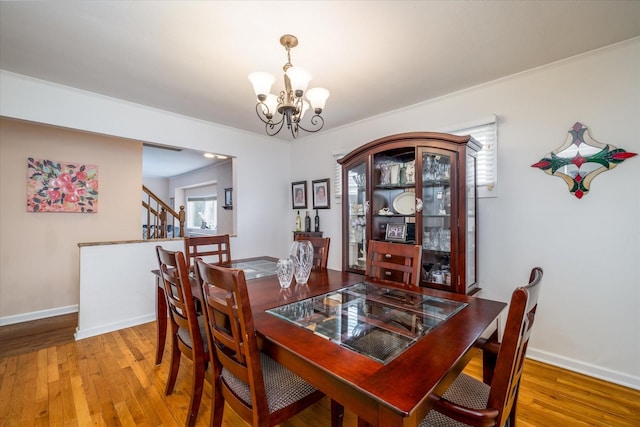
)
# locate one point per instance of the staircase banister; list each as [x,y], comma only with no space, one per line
[160,202]
[147,206]
[162,215]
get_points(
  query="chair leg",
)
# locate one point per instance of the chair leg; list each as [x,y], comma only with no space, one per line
[161,320]
[196,392]
[217,406]
[337,414]
[173,366]
[511,420]
[489,359]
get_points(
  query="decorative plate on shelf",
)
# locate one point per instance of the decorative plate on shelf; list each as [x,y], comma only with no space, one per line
[405,203]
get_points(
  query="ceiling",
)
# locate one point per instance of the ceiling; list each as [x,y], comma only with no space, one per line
[193,57]
[162,162]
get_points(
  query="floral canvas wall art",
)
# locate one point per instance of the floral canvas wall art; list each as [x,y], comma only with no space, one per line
[54,186]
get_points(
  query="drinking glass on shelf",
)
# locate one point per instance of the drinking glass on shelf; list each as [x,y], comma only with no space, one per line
[284,270]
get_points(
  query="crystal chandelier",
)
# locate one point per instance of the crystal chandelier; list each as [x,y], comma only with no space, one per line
[289,107]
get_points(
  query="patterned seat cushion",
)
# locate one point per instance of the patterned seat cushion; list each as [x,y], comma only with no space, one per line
[184,335]
[283,387]
[465,391]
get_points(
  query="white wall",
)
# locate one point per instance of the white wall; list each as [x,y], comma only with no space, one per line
[261,193]
[588,318]
[100,312]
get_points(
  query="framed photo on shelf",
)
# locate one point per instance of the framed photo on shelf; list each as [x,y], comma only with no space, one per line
[321,193]
[396,232]
[299,194]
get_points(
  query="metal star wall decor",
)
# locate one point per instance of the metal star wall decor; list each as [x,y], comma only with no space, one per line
[580,159]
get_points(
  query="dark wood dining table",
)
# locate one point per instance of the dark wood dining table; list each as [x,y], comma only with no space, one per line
[389,394]
[384,394]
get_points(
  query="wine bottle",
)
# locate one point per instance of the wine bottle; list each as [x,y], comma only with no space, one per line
[316,222]
[298,222]
[307,222]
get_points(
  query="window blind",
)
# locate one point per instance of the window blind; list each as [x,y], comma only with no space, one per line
[487,166]
[337,180]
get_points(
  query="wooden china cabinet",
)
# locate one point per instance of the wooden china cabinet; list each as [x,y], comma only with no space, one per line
[417,187]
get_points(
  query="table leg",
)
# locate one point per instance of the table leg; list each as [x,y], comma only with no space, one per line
[161,320]
[337,414]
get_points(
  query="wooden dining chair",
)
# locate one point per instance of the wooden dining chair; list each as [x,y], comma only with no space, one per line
[493,402]
[397,262]
[256,387]
[188,329]
[320,250]
[213,249]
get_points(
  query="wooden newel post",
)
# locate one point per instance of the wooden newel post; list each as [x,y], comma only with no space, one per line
[163,223]
[181,217]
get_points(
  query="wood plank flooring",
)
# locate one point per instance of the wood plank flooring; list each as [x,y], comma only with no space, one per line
[48,379]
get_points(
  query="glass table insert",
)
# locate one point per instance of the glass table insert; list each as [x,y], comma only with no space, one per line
[376,321]
[256,268]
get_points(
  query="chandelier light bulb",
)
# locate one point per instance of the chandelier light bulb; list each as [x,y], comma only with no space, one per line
[261,82]
[299,78]
[270,105]
[317,96]
[305,107]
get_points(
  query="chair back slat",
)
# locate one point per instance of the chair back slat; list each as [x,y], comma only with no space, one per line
[212,249]
[510,361]
[397,262]
[320,249]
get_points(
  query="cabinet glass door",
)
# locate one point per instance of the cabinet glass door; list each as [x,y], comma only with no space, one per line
[357,213]
[393,202]
[436,218]
[471,221]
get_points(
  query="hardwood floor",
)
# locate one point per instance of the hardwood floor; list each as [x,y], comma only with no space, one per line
[43,333]
[48,379]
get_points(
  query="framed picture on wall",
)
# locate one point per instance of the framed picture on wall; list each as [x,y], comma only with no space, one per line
[228,198]
[321,194]
[299,194]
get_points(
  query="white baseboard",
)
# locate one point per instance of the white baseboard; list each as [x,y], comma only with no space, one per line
[36,315]
[594,371]
[103,329]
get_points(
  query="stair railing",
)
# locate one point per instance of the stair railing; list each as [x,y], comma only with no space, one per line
[157,226]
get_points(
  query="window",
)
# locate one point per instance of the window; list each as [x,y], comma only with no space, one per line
[202,212]
[337,177]
[485,132]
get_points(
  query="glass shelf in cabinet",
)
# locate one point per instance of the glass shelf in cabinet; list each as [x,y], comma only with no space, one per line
[436,182]
[394,186]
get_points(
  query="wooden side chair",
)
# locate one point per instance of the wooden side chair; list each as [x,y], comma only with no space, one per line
[396,262]
[213,249]
[320,250]
[493,402]
[256,387]
[188,330]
